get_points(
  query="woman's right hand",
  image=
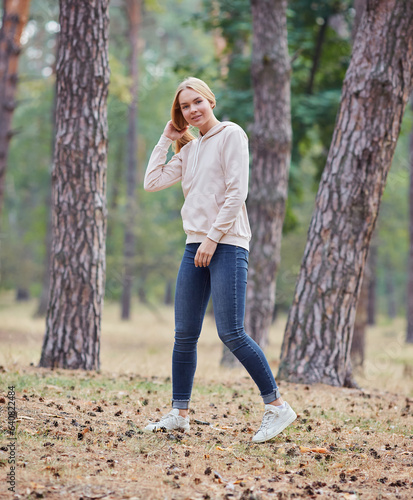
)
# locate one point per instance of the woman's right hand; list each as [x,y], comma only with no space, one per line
[172,133]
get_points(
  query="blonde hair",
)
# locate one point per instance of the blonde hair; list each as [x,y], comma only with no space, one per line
[178,120]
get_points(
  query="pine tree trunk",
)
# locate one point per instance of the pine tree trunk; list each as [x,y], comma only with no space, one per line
[133,8]
[73,322]
[44,297]
[358,344]
[271,144]
[409,333]
[317,340]
[114,197]
[15,16]
[390,289]
[371,299]
[317,54]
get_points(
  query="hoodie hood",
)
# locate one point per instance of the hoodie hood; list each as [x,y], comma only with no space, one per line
[216,129]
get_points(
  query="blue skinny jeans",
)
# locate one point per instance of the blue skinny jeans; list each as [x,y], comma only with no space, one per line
[226,280]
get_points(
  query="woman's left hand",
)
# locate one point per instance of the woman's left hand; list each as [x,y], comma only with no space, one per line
[205,252]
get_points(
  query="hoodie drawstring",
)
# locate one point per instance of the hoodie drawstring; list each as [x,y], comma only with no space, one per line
[195,163]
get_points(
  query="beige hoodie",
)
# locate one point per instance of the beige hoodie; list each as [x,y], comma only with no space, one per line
[213,170]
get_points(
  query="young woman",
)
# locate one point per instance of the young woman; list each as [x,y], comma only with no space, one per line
[213,170]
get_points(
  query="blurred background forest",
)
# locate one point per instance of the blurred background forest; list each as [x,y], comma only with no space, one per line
[210,40]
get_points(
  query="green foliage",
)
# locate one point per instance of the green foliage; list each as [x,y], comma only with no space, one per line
[316,108]
[27,186]
[211,40]
[392,230]
[229,23]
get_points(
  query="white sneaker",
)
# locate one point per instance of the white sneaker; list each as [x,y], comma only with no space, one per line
[274,421]
[171,422]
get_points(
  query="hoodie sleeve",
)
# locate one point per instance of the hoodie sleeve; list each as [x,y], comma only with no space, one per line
[235,161]
[158,174]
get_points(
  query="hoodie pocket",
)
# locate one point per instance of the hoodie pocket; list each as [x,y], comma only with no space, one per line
[199,213]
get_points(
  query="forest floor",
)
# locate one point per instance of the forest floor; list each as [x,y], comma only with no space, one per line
[80,434]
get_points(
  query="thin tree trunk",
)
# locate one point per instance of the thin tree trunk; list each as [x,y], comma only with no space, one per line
[44,297]
[133,8]
[317,340]
[168,297]
[271,145]
[73,322]
[142,286]
[317,55]
[409,333]
[390,289]
[118,169]
[358,344]
[15,16]
[372,291]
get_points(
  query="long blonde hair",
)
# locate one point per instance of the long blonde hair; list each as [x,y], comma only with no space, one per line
[178,120]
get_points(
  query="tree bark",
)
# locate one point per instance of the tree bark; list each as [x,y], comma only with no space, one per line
[317,340]
[73,322]
[133,9]
[271,145]
[15,16]
[409,333]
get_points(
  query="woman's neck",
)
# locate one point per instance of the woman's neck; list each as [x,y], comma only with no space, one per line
[207,127]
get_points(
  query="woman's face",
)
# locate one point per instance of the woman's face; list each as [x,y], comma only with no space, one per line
[196,110]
